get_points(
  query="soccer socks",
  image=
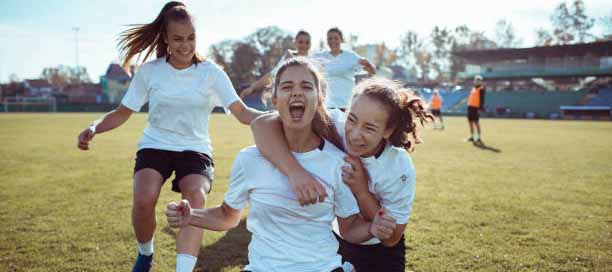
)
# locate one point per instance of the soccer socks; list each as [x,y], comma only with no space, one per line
[146,248]
[185,262]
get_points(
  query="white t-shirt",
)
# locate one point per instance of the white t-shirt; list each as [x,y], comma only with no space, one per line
[286,236]
[392,177]
[180,103]
[340,74]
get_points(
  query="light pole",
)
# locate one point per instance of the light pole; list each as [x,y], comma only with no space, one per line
[76,52]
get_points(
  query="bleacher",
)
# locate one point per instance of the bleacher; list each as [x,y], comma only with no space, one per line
[449,98]
[516,103]
[603,98]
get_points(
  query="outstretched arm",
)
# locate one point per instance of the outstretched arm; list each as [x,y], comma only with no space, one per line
[107,122]
[244,113]
[271,142]
[220,218]
[367,66]
[260,83]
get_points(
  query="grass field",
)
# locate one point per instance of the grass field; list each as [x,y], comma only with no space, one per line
[538,198]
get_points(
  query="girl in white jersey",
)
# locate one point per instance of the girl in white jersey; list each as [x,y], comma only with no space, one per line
[181,88]
[302,46]
[285,235]
[340,66]
[380,127]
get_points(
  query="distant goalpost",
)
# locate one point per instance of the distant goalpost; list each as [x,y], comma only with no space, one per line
[25,104]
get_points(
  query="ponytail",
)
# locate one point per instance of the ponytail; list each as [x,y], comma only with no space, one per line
[150,37]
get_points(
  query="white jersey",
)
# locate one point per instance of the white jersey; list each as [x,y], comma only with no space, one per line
[180,103]
[340,75]
[392,177]
[285,235]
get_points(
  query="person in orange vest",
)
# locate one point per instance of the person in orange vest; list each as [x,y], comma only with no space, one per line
[436,107]
[476,102]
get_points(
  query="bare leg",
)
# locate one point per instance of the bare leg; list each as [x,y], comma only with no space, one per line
[471,128]
[193,188]
[147,185]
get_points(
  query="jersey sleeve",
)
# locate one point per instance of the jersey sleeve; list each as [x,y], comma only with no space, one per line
[354,62]
[397,193]
[223,89]
[138,92]
[237,193]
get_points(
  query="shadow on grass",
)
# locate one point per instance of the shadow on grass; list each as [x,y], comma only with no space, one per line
[229,251]
[483,146]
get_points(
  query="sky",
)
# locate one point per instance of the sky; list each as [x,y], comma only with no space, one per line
[35,34]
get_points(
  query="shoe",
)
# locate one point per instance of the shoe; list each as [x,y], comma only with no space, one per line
[470,139]
[143,263]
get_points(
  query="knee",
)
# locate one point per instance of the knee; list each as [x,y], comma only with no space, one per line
[145,201]
[195,195]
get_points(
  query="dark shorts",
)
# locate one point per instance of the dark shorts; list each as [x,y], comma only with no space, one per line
[436,112]
[181,163]
[473,114]
[374,257]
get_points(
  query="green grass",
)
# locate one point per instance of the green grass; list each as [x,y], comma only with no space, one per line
[539,198]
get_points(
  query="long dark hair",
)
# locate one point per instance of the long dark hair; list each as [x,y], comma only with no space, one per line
[405,110]
[141,37]
[322,125]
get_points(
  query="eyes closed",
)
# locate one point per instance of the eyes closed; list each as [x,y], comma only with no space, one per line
[372,128]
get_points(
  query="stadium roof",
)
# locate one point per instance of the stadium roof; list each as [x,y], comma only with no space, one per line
[600,48]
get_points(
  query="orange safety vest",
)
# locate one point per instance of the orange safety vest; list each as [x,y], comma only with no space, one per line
[436,102]
[474,99]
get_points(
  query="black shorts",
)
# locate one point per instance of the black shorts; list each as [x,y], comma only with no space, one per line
[473,114]
[181,163]
[374,257]
[436,112]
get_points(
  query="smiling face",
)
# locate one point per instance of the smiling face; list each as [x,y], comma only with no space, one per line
[366,127]
[302,44]
[296,97]
[334,40]
[180,36]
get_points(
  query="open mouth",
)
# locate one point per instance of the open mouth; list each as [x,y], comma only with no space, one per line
[296,110]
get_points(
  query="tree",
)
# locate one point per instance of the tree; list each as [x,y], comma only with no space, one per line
[466,39]
[505,36]
[381,54]
[607,24]
[543,37]
[64,75]
[414,55]
[409,44]
[244,62]
[271,44]
[442,40]
[570,25]
[222,53]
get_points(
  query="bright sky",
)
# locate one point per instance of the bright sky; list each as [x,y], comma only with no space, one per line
[39,33]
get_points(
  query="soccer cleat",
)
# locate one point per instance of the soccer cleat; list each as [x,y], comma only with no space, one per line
[470,139]
[143,263]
